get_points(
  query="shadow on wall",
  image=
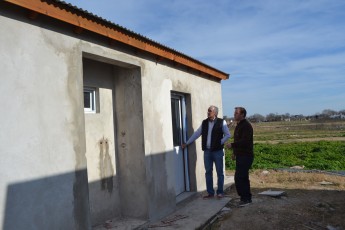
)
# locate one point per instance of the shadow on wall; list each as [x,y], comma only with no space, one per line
[55,202]
[63,202]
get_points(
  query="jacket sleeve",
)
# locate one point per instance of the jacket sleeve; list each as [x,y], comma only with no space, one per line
[226,133]
[246,136]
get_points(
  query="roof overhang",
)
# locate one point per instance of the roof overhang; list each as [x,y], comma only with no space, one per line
[83,20]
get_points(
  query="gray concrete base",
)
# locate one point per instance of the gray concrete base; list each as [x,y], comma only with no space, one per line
[121,224]
[193,216]
[192,212]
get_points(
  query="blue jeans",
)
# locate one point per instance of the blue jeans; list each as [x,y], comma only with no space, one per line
[217,158]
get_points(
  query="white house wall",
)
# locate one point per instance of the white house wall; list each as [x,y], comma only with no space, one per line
[157,87]
[44,168]
[102,173]
[42,143]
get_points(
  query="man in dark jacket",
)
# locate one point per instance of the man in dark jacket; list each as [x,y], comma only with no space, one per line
[215,133]
[243,154]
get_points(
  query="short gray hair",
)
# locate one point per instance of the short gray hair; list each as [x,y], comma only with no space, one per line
[215,109]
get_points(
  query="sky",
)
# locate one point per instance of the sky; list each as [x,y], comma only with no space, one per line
[282,56]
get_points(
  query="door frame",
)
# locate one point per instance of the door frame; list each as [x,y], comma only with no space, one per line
[183,122]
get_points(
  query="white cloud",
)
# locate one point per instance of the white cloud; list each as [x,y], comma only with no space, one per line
[282,55]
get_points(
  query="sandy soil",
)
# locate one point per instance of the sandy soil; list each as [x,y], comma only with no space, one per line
[311,201]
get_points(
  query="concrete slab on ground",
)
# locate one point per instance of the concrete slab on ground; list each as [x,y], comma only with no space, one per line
[194,215]
[192,212]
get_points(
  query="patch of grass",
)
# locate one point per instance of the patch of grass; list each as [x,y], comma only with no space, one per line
[268,131]
[286,144]
[322,155]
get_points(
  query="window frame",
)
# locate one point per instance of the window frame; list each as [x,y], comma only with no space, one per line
[93,102]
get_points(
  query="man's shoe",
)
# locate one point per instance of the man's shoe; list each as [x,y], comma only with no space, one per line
[220,196]
[244,203]
[208,196]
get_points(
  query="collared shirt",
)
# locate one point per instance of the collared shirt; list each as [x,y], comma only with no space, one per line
[197,134]
[209,134]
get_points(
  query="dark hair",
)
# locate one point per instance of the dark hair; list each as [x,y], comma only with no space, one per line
[242,111]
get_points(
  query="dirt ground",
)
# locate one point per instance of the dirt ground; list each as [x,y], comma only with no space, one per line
[311,201]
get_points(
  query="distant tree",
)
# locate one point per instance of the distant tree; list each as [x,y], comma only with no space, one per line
[285,117]
[329,112]
[256,118]
[326,114]
[272,117]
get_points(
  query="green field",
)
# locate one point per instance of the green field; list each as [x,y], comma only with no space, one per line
[314,145]
[298,130]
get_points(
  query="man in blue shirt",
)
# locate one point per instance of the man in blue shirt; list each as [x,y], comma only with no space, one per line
[215,133]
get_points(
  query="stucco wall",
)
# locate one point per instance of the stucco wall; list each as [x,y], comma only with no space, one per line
[157,86]
[44,170]
[100,144]
[42,141]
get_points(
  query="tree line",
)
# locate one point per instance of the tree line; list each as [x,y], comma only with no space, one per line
[326,114]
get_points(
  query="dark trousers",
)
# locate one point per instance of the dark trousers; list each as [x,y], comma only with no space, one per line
[243,164]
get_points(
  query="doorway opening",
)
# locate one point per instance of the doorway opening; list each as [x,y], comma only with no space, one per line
[179,128]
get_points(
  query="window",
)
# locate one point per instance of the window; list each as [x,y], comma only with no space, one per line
[89,100]
[176,121]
